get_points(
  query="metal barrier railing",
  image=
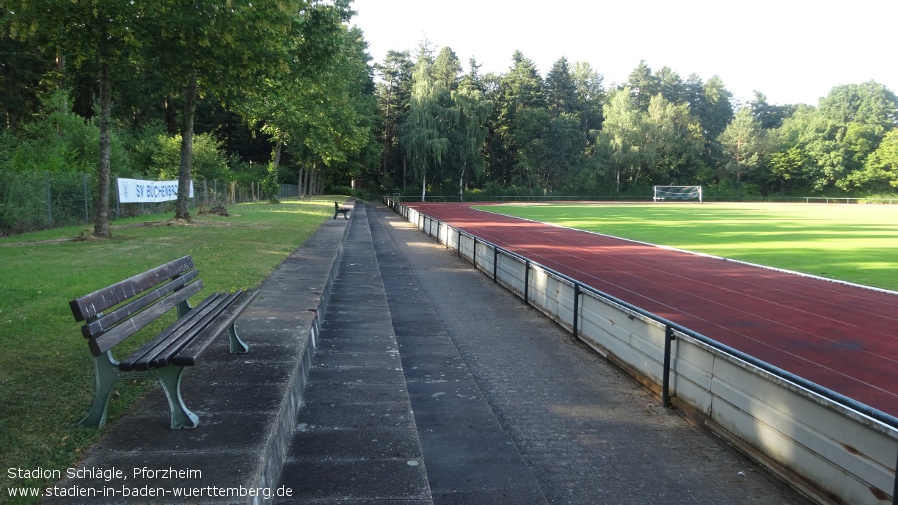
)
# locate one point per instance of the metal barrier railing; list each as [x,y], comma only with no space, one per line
[829,394]
[671,329]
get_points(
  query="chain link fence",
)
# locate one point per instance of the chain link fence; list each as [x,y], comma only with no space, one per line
[31,201]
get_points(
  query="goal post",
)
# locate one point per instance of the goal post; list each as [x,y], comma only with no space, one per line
[677,193]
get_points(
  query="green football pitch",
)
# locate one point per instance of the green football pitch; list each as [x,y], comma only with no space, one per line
[854,243]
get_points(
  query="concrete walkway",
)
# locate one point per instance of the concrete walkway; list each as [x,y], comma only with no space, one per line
[495,404]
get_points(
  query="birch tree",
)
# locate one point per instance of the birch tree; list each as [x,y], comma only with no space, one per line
[473,112]
[623,131]
[425,139]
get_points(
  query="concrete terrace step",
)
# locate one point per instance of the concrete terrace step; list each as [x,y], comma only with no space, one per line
[391,413]
[356,438]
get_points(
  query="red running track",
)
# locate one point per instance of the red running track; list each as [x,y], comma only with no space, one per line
[841,337]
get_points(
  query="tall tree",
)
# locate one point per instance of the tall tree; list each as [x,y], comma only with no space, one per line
[673,142]
[24,66]
[769,116]
[520,89]
[530,135]
[623,130]
[326,116]
[718,111]
[880,172]
[447,69]
[671,85]
[561,91]
[393,93]
[473,110]
[590,96]
[869,103]
[425,138]
[814,141]
[744,144]
[643,85]
[863,113]
[694,95]
[223,49]
[566,144]
[97,35]
[788,169]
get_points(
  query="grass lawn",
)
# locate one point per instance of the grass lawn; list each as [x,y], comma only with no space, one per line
[46,374]
[854,243]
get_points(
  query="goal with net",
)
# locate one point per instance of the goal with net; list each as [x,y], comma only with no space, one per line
[677,193]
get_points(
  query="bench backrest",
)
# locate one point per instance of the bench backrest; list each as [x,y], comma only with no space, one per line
[135,303]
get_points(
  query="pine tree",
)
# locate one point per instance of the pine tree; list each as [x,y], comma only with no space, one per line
[561,92]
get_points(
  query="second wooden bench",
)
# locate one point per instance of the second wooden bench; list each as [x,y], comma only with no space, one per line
[341,210]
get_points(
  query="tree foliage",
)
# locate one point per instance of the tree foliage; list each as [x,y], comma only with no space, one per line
[170,62]
[567,133]
[285,90]
[427,126]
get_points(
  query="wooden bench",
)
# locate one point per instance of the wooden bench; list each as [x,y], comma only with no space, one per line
[341,210]
[116,312]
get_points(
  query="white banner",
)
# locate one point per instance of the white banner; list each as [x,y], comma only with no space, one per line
[138,191]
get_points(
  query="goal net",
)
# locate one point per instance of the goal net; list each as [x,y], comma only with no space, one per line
[677,193]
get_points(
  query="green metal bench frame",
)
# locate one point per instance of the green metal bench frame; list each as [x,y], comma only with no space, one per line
[138,301]
[341,210]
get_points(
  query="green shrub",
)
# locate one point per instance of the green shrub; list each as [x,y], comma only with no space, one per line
[209,159]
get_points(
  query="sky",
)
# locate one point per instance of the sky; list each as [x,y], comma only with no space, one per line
[792,51]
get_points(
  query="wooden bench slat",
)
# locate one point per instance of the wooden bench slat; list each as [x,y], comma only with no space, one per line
[94,303]
[237,302]
[180,332]
[165,355]
[111,338]
[107,321]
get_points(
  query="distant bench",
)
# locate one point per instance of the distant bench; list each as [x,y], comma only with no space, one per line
[341,210]
[164,357]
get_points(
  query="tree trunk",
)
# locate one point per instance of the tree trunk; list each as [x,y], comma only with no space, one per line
[277,154]
[171,117]
[308,182]
[461,186]
[387,128]
[182,209]
[101,222]
[301,181]
[423,187]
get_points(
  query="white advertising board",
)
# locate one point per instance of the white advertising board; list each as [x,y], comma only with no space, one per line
[139,191]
